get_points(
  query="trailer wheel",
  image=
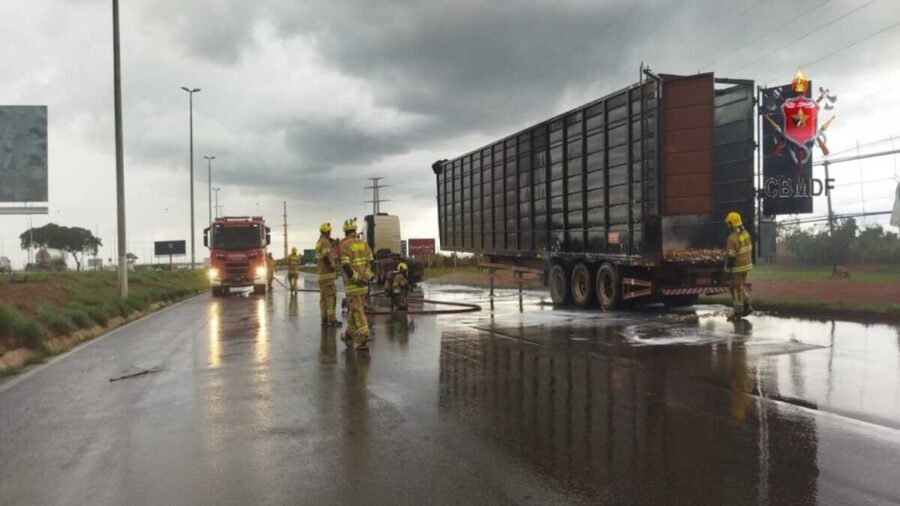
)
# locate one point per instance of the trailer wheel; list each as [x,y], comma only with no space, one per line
[582,285]
[560,292]
[609,287]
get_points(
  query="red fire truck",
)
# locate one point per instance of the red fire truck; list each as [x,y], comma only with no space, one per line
[237,253]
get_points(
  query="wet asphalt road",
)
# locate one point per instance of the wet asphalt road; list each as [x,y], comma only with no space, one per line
[255,404]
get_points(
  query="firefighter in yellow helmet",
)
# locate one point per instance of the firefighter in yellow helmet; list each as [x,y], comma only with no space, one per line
[326,270]
[397,287]
[738,263]
[293,261]
[356,265]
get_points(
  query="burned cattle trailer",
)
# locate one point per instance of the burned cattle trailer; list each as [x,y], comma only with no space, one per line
[622,198]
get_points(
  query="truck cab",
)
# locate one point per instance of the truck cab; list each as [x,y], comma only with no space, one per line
[382,233]
[237,253]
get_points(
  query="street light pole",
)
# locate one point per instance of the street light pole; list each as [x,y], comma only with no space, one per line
[217,200]
[209,160]
[191,92]
[120,158]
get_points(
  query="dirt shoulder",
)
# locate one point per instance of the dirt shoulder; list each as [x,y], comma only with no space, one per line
[870,293]
[470,276]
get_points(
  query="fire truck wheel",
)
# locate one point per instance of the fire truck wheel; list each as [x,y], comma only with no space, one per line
[582,285]
[217,292]
[609,287]
[560,289]
[259,289]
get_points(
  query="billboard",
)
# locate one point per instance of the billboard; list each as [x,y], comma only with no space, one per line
[421,247]
[23,153]
[166,248]
[791,130]
[309,256]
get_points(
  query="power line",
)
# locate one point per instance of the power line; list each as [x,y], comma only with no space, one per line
[790,20]
[854,44]
[807,34]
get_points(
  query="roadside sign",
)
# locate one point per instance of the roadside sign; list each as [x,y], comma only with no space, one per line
[421,247]
[169,248]
[309,256]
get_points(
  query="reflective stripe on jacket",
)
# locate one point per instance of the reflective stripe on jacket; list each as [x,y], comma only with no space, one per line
[358,256]
[740,247]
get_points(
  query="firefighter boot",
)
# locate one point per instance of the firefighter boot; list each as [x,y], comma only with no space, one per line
[748,310]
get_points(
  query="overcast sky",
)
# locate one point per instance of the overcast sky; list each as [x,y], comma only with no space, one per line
[302,100]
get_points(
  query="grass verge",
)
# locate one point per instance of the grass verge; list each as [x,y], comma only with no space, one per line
[45,313]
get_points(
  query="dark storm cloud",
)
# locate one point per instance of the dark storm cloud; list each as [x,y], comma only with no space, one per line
[336,142]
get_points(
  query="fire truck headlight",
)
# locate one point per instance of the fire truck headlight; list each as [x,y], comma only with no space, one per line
[261,271]
[213,273]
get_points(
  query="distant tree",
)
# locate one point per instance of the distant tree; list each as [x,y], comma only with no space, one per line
[74,240]
[131,258]
[850,245]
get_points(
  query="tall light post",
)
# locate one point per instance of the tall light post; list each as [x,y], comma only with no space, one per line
[120,158]
[209,160]
[217,200]
[191,106]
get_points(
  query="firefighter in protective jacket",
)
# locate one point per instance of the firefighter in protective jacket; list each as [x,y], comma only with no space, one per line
[270,270]
[738,263]
[356,265]
[397,287]
[326,270]
[293,261]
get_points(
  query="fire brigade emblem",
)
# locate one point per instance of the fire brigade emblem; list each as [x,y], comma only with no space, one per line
[798,129]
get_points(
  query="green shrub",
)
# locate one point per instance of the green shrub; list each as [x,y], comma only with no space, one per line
[8,317]
[56,320]
[100,314]
[31,334]
[79,317]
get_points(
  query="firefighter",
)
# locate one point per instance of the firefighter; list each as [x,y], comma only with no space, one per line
[738,263]
[327,273]
[293,261]
[270,270]
[397,287]
[356,265]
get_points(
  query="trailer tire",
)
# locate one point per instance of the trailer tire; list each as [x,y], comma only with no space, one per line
[582,285]
[560,287]
[681,300]
[608,287]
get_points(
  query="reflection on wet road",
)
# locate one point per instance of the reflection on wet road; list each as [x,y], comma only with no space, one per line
[257,404]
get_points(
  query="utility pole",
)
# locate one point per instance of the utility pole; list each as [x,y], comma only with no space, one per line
[830,222]
[120,158]
[209,160]
[376,197]
[191,92]
[285,229]
[826,164]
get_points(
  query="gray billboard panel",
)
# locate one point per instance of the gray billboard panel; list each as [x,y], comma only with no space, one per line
[167,248]
[23,153]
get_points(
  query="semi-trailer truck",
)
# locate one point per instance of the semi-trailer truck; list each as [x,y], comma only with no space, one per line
[622,199]
[237,253]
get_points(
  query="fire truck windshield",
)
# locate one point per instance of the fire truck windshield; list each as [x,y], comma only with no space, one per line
[237,238]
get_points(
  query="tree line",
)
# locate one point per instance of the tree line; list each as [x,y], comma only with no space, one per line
[850,245]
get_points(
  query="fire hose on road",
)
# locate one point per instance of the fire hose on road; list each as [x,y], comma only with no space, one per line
[458,307]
